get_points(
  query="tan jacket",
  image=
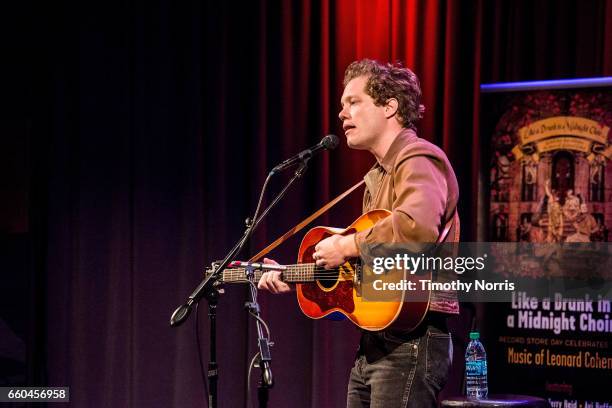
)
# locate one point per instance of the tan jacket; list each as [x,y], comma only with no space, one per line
[416,182]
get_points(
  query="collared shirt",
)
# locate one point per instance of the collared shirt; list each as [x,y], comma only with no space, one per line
[416,182]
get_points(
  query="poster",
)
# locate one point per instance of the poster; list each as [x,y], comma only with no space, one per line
[547,165]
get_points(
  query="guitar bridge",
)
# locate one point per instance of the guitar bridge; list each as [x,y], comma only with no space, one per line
[357,278]
[357,268]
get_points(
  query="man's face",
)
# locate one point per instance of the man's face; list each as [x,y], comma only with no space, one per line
[362,121]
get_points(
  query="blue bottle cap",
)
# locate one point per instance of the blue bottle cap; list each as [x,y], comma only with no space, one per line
[474,335]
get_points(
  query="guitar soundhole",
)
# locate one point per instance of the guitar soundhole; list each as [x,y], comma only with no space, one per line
[327,278]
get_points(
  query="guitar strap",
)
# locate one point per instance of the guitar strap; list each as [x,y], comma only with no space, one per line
[441,238]
[304,223]
[454,220]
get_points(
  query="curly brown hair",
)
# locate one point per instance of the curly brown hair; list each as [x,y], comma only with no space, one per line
[386,81]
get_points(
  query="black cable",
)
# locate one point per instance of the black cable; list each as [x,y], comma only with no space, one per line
[202,372]
[254,314]
[262,321]
[261,195]
[249,401]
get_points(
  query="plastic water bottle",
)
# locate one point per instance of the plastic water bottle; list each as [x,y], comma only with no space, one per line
[476,368]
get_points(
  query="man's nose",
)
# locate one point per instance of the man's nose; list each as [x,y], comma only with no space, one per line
[342,115]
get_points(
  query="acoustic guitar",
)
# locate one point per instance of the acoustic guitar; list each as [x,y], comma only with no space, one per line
[332,292]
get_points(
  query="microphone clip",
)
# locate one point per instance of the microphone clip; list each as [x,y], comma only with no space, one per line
[301,157]
[329,142]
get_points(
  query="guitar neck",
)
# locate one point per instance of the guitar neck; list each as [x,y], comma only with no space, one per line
[298,273]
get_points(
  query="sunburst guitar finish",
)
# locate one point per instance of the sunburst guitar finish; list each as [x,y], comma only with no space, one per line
[338,290]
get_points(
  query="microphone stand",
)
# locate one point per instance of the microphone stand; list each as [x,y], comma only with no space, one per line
[264,343]
[209,289]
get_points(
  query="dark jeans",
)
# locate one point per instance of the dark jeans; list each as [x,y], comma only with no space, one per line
[394,370]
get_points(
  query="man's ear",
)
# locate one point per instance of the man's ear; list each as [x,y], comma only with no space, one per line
[391,107]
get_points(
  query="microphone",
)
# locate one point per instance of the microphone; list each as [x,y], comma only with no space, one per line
[329,142]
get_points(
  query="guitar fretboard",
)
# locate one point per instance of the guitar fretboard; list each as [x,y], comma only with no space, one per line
[294,273]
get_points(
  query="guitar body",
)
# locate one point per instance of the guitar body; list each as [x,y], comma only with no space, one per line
[337,292]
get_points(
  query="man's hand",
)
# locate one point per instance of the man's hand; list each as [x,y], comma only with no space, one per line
[333,251]
[271,280]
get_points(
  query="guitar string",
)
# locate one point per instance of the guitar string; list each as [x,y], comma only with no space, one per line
[317,271]
[309,268]
[329,273]
[291,270]
[321,270]
[299,271]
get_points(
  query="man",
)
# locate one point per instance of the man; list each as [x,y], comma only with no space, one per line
[413,179]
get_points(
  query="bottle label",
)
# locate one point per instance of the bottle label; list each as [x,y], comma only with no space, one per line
[476,367]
